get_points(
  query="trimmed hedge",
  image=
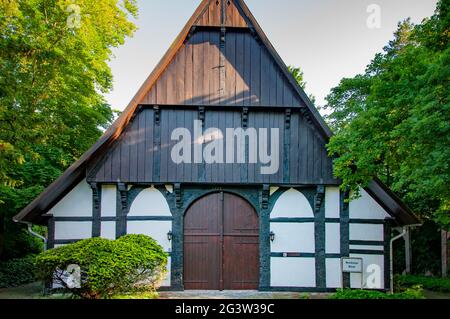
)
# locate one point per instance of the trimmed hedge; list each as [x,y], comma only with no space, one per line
[106,267]
[411,293]
[18,271]
[429,283]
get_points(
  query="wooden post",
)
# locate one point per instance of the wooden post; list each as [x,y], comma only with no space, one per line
[408,256]
[444,241]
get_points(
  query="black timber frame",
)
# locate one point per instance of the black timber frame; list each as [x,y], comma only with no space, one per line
[257,197]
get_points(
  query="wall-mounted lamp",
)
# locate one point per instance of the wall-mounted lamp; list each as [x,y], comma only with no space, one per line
[169,235]
[272,236]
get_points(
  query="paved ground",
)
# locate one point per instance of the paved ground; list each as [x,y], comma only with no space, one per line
[436,295]
[34,291]
[238,295]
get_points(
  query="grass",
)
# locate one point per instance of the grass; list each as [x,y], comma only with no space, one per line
[410,293]
[429,283]
[138,295]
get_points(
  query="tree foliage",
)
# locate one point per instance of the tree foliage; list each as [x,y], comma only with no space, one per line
[415,292]
[298,75]
[107,267]
[17,272]
[53,70]
[393,120]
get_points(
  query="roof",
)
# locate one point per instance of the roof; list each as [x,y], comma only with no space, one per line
[36,211]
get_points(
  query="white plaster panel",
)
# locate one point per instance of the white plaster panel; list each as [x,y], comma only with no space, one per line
[333,272]
[332,202]
[292,204]
[108,230]
[169,188]
[77,203]
[293,237]
[366,232]
[273,189]
[367,247]
[109,201]
[156,229]
[332,238]
[150,202]
[355,281]
[166,281]
[373,266]
[73,230]
[292,272]
[366,207]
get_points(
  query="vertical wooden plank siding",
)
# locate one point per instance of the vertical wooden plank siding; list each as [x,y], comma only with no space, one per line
[188,74]
[142,144]
[164,145]
[149,144]
[230,69]
[251,77]
[198,65]
[255,82]
[211,16]
[137,156]
[240,85]
[234,18]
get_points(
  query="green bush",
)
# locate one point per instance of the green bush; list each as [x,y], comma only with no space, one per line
[429,283]
[16,272]
[107,267]
[410,293]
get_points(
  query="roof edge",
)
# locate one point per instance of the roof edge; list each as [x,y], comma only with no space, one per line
[391,203]
[50,194]
[304,97]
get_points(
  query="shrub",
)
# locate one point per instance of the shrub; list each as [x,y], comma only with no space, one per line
[429,283]
[410,293]
[18,271]
[107,267]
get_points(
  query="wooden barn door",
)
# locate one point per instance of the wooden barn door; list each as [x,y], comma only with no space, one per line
[221,244]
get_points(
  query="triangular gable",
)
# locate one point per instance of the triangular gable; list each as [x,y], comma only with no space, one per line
[212,15]
[206,15]
[254,84]
[253,72]
[251,75]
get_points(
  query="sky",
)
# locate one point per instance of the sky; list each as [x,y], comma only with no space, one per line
[328,39]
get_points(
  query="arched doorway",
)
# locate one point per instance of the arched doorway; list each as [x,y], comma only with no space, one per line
[221,244]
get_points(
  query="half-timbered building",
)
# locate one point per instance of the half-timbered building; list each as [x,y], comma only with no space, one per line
[224,223]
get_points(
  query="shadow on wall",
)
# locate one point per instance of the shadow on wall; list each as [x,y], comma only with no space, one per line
[247,75]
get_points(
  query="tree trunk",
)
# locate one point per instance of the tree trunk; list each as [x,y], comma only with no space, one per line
[445,249]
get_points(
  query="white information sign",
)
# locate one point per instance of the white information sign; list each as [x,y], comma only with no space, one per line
[352,265]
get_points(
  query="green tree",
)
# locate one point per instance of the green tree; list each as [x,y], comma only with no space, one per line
[393,120]
[298,75]
[53,71]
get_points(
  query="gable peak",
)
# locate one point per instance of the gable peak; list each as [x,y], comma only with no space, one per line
[226,13]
